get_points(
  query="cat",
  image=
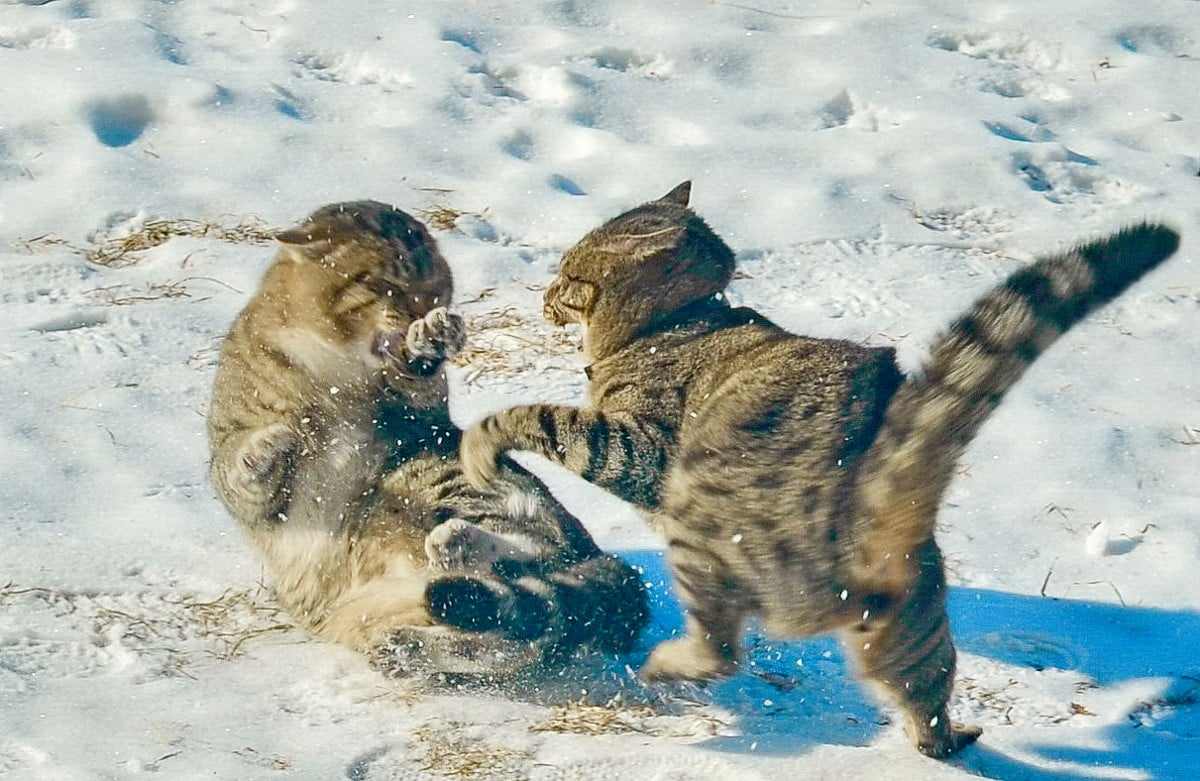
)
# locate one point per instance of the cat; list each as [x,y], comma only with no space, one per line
[795,479]
[332,445]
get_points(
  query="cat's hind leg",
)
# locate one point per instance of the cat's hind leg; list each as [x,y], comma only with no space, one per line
[908,656]
[520,609]
[709,649]
[598,602]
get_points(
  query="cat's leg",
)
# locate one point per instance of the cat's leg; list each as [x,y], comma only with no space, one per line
[388,617]
[252,471]
[908,656]
[602,601]
[618,451]
[366,614]
[523,608]
[599,602]
[413,358]
[710,647]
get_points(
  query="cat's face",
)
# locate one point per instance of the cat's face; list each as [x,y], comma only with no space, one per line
[376,266]
[637,268]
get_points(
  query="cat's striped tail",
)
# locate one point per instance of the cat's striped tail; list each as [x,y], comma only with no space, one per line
[933,417]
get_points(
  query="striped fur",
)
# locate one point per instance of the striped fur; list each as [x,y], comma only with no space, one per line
[333,447]
[795,479]
[934,416]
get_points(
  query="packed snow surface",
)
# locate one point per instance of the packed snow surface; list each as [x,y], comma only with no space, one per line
[875,164]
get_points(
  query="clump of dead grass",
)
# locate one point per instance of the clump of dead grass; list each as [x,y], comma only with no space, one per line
[617,717]
[505,342]
[152,233]
[123,250]
[120,295]
[447,751]
[233,618]
[179,627]
[439,216]
[611,718]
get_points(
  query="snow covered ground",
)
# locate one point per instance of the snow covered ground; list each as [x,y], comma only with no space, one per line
[876,164]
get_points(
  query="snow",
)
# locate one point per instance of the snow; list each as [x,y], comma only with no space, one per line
[875,164]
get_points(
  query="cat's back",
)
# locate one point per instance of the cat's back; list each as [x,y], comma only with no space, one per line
[765,389]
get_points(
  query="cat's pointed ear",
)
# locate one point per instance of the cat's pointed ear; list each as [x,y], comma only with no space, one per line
[680,195]
[305,233]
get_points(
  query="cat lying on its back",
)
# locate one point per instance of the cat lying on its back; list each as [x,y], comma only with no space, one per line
[332,445]
[795,479]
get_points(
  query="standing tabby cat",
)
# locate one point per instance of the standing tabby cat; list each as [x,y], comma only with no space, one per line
[332,445]
[795,479]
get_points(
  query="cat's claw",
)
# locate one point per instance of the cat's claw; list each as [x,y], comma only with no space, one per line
[438,335]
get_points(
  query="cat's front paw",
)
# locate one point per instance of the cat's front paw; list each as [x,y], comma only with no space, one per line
[686,659]
[438,335]
[259,463]
[479,453]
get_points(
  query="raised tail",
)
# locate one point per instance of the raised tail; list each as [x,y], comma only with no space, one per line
[933,417]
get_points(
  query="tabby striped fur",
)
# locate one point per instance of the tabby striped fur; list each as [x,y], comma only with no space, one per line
[333,447]
[795,479]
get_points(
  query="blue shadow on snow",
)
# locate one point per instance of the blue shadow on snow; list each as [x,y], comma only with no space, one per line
[797,694]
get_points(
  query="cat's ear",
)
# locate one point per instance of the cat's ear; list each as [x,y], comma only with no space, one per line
[680,195]
[305,233]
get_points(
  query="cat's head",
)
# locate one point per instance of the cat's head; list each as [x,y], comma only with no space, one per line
[370,249]
[636,269]
[359,274]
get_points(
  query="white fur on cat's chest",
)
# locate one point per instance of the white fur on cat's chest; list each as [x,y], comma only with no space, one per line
[324,359]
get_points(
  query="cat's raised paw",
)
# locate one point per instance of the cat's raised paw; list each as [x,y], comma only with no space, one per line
[438,335]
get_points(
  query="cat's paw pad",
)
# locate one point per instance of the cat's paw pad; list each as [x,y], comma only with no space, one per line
[438,335]
[262,456]
[686,659]
[460,545]
[389,344]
